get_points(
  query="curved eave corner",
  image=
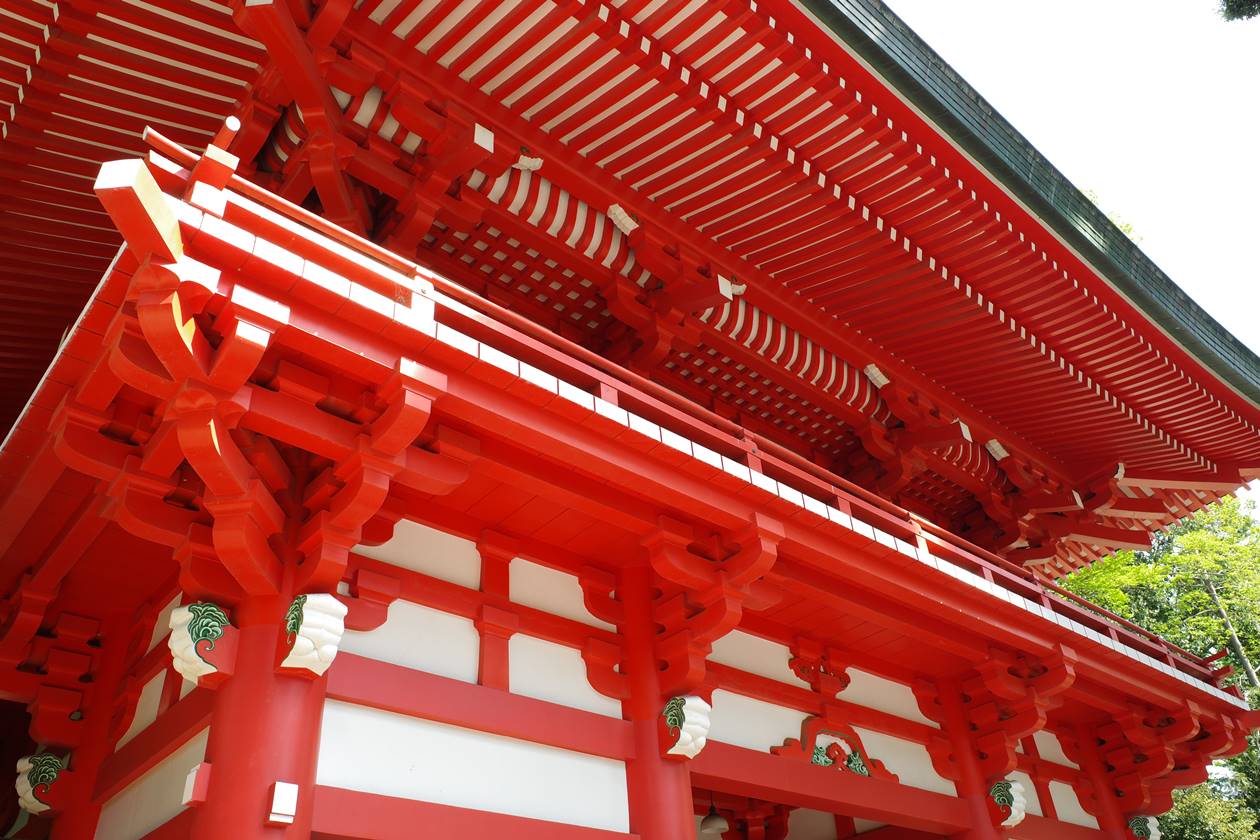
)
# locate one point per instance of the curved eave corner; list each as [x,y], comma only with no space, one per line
[929,84]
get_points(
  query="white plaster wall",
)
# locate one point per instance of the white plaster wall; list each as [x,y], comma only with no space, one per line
[146,708]
[1068,807]
[909,760]
[429,551]
[756,656]
[750,723]
[804,824]
[162,627]
[420,638]
[555,673]
[1050,748]
[873,692]
[550,590]
[863,826]
[152,799]
[1032,803]
[393,755]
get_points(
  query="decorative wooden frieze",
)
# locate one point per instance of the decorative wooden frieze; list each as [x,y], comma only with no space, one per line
[824,668]
[831,743]
[313,627]
[202,643]
[1149,752]
[1008,801]
[685,723]
[1008,701]
[36,776]
[705,590]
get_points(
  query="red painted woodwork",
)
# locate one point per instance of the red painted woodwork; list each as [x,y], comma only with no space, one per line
[552,314]
[893,200]
[725,768]
[349,815]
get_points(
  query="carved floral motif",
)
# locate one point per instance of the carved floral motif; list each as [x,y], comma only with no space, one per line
[314,625]
[1145,828]
[1010,797]
[191,626]
[833,743]
[36,774]
[687,718]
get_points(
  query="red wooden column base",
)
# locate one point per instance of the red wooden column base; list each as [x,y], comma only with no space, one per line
[264,730]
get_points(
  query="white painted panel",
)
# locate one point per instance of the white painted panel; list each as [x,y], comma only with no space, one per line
[1049,748]
[756,656]
[146,708]
[393,755]
[908,760]
[550,590]
[1032,803]
[866,689]
[420,638]
[430,552]
[750,723]
[804,824]
[863,826]
[162,627]
[152,799]
[1068,807]
[554,673]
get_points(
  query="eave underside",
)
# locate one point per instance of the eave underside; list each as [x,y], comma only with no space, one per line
[745,149]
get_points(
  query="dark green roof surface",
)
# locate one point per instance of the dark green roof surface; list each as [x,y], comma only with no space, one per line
[885,42]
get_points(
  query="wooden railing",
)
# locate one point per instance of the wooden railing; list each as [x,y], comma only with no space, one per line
[682,416]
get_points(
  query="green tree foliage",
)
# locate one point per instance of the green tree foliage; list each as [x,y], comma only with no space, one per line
[1200,814]
[1164,589]
[1240,9]
[1168,590]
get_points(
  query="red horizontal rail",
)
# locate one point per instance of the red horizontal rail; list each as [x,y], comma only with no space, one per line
[872,509]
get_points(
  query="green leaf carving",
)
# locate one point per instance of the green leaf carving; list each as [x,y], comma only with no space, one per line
[293,618]
[1002,794]
[206,624]
[820,757]
[45,767]
[674,715]
[857,764]
[1141,828]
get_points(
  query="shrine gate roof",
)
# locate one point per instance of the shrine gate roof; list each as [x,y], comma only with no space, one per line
[722,196]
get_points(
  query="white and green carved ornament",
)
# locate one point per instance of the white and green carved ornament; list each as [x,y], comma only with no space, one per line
[36,774]
[853,762]
[314,625]
[687,720]
[1145,828]
[1011,800]
[195,628]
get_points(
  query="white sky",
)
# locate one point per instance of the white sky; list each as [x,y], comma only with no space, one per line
[1152,104]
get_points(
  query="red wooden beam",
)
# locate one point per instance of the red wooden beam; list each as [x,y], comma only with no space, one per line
[729,769]
[391,688]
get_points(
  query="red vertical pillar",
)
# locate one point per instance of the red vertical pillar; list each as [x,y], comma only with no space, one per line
[1105,809]
[496,623]
[971,784]
[660,789]
[78,821]
[264,729]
